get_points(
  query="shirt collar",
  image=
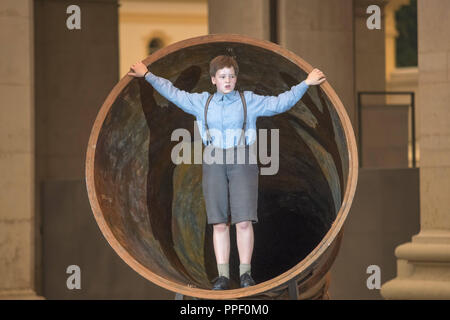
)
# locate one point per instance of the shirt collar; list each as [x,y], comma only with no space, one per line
[229,97]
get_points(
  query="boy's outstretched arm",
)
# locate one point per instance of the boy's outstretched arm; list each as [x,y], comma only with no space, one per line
[273,105]
[188,102]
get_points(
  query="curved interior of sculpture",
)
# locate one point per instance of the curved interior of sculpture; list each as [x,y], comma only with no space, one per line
[155,208]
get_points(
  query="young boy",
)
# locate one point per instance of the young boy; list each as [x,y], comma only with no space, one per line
[226,111]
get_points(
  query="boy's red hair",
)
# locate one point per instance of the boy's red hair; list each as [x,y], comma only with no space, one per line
[220,62]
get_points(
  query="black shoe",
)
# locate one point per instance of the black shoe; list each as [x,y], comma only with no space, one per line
[222,283]
[247,280]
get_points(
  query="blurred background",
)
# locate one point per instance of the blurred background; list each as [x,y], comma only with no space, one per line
[394,83]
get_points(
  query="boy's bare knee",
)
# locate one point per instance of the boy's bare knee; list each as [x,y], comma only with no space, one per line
[220,227]
[243,226]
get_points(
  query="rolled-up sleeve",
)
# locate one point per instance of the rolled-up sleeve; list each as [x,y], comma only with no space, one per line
[188,102]
[272,105]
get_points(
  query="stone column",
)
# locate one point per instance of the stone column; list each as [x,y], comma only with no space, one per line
[17,197]
[321,32]
[369,49]
[75,69]
[423,265]
[249,17]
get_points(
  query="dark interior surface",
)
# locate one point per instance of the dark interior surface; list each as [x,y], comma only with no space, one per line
[156,208]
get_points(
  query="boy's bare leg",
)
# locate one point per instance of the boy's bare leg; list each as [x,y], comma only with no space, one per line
[245,240]
[221,240]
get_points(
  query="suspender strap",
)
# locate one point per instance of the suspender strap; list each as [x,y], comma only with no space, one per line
[208,137]
[244,104]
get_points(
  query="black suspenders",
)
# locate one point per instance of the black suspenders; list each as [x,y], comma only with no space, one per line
[244,104]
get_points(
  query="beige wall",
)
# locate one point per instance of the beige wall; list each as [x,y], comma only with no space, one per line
[74,72]
[17,150]
[172,21]
[250,17]
[403,78]
[369,50]
[384,214]
[391,33]
[321,32]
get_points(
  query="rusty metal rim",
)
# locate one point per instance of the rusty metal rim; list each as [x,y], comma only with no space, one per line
[269,284]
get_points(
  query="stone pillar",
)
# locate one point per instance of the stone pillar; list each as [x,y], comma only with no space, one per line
[17,208]
[369,49]
[75,69]
[250,17]
[321,32]
[423,265]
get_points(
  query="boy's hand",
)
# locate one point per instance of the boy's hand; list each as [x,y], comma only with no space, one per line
[315,77]
[139,69]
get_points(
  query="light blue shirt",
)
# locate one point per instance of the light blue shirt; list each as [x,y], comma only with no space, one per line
[225,111]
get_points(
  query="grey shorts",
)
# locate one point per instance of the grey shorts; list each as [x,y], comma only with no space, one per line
[230,188]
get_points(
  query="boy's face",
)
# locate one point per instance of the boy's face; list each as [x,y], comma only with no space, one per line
[225,80]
